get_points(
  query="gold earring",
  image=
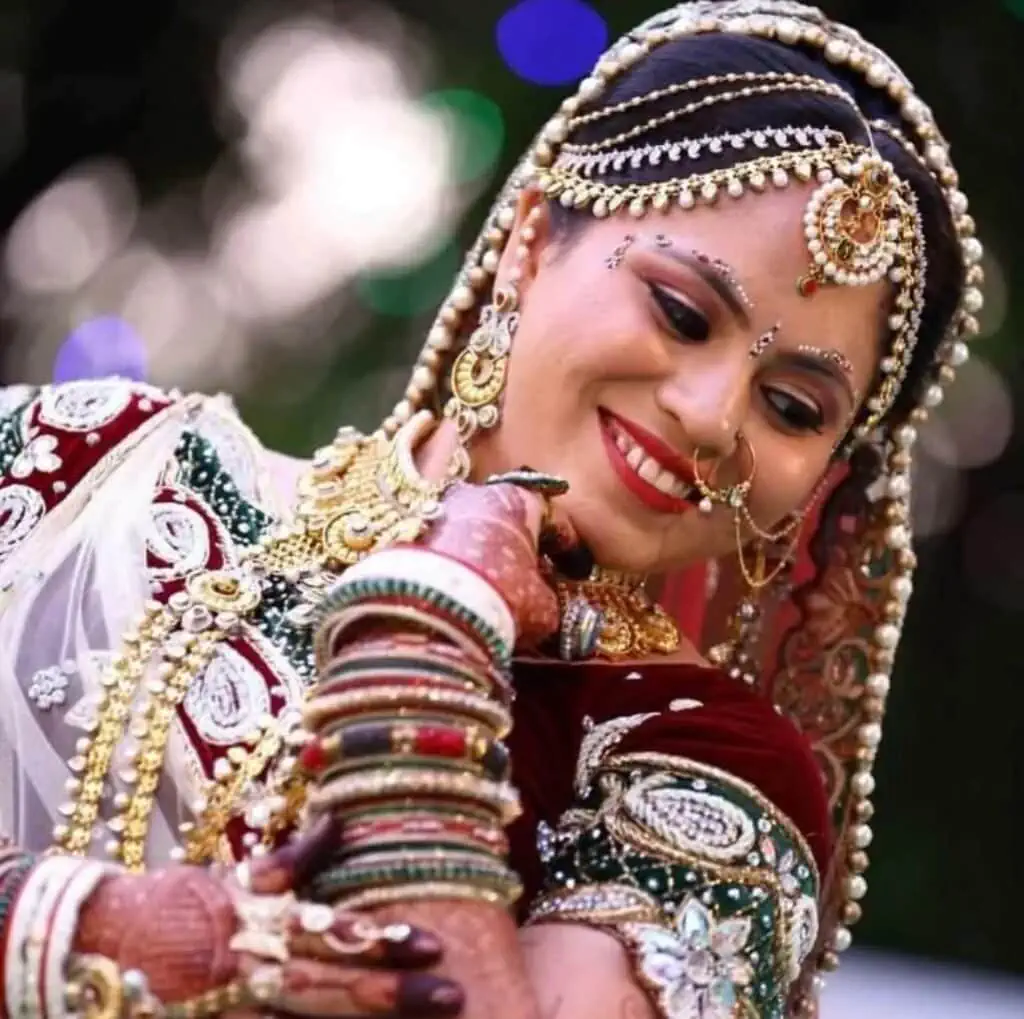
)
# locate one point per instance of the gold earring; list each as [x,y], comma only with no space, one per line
[480,371]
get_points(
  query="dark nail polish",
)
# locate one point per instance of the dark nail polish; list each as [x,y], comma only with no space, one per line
[418,949]
[575,563]
[427,996]
[312,850]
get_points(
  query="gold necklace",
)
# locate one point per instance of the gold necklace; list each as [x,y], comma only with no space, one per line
[633,624]
[361,494]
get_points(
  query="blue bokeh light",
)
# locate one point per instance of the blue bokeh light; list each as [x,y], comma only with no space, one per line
[100,347]
[552,42]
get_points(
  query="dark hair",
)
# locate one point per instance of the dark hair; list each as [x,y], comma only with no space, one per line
[698,57]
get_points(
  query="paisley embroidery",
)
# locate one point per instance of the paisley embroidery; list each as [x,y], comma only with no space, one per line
[701,823]
[597,741]
[178,537]
[228,701]
[39,455]
[21,509]
[85,405]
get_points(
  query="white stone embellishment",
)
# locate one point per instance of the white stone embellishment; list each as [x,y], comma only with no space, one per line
[14,397]
[84,405]
[698,966]
[38,455]
[179,537]
[703,824]
[597,741]
[48,687]
[227,702]
[21,508]
[802,924]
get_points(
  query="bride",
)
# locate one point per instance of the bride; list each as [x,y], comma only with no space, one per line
[560,694]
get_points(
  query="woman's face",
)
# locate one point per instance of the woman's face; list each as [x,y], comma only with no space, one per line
[646,344]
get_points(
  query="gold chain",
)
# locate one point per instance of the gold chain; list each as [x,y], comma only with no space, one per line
[362,493]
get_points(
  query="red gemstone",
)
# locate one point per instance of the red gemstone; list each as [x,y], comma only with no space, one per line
[808,286]
[437,742]
[313,757]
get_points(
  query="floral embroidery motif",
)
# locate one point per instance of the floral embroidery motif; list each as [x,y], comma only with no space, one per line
[21,508]
[697,968]
[84,405]
[48,687]
[38,455]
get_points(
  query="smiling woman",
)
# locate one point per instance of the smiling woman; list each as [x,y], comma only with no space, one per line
[604,723]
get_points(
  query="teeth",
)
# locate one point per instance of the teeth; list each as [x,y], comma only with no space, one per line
[648,469]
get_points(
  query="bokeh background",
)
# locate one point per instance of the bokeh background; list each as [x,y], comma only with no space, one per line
[270,199]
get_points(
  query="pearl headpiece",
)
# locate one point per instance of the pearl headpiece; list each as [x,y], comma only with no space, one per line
[887,561]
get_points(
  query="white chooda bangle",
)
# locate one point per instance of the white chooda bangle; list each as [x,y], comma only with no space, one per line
[62,934]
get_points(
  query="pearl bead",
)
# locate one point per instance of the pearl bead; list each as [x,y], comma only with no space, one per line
[972,250]
[898,486]
[901,588]
[862,836]
[557,130]
[887,635]
[836,51]
[905,436]
[957,354]
[463,298]
[590,88]
[973,300]
[933,396]
[403,411]
[841,939]
[878,684]
[897,537]
[863,783]
[856,887]
[506,217]
[870,735]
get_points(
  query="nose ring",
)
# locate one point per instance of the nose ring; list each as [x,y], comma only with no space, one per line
[734,495]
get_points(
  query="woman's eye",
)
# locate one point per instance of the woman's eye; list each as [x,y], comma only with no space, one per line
[686,321]
[798,415]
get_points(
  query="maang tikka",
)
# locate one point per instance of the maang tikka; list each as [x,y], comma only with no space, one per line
[480,371]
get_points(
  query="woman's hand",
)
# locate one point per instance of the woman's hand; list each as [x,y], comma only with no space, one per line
[191,930]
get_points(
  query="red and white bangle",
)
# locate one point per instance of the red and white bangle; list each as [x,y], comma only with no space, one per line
[42,929]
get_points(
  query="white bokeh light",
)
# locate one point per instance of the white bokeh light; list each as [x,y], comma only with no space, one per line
[72,229]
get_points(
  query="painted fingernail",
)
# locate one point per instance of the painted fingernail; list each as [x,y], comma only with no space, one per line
[311,851]
[418,948]
[427,996]
[576,563]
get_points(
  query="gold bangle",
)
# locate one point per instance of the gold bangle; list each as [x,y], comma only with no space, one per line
[411,782]
[427,890]
[321,710]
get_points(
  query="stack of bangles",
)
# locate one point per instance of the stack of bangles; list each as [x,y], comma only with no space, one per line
[406,726]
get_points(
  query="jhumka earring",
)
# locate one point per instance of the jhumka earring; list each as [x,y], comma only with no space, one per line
[479,373]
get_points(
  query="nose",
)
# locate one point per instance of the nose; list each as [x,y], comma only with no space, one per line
[709,402]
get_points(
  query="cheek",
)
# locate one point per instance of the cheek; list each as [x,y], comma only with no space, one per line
[789,485]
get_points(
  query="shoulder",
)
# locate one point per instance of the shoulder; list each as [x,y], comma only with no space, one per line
[60,444]
[702,716]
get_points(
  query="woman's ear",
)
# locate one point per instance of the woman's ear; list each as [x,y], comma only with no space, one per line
[529,239]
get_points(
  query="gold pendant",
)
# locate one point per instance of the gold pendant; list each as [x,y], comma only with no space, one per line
[633,625]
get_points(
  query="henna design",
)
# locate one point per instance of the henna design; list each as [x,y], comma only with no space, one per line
[174,925]
[493,530]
